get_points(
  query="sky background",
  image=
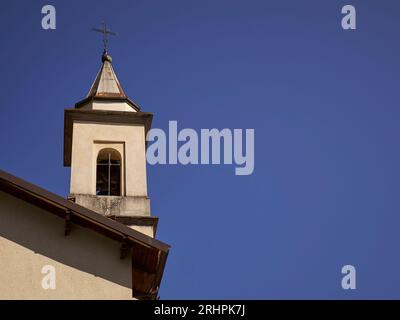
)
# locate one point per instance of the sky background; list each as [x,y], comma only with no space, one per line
[324,104]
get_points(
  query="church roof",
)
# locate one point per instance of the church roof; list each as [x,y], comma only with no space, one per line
[148,254]
[106,86]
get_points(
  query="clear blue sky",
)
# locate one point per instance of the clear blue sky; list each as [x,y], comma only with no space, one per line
[324,104]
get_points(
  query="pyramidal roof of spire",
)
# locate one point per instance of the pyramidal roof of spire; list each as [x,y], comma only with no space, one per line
[106,86]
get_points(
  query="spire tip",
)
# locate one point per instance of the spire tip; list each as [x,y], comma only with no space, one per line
[106,57]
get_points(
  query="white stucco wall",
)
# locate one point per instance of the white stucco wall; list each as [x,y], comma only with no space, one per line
[109,106]
[147,230]
[87,264]
[85,144]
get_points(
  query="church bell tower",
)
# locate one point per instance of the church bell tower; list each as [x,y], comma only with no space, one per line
[105,146]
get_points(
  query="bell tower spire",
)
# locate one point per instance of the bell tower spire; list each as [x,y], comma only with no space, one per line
[106,83]
[105,146]
[106,92]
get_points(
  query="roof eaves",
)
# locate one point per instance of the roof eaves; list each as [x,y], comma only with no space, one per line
[90,216]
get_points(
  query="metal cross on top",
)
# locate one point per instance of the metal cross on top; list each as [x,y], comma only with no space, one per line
[106,32]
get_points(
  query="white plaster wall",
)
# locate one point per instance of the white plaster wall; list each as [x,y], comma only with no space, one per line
[87,264]
[147,230]
[109,106]
[83,162]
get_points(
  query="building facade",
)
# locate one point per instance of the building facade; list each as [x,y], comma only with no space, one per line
[99,243]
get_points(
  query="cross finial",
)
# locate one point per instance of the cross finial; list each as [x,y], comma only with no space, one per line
[106,32]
